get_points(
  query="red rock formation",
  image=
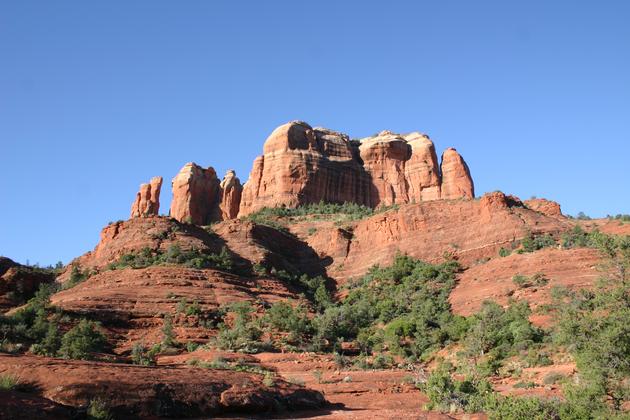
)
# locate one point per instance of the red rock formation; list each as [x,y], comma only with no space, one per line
[471,229]
[421,170]
[231,190]
[195,195]
[18,283]
[301,165]
[147,201]
[384,158]
[304,165]
[456,179]
[544,206]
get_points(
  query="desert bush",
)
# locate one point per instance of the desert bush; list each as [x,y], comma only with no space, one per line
[495,332]
[9,382]
[244,333]
[144,356]
[82,340]
[284,316]
[531,243]
[98,410]
[193,258]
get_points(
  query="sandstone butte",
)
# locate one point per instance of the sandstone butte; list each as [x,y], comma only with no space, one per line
[302,165]
[438,214]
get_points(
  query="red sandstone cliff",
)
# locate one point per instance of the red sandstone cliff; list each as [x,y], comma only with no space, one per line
[301,165]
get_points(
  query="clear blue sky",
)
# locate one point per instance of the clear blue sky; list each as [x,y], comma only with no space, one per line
[97,97]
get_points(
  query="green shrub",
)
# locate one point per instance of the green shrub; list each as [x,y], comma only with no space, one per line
[244,334]
[168,335]
[174,255]
[531,243]
[9,382]
[82,340]
[76,276]
[98,410]
[283,316]
[496,332]
[406,305]
[143,356]
[504,252]
[537,279]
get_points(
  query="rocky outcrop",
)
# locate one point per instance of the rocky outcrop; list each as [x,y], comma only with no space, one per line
[147,201]
[302,165]
[421,170]
[18,283]
[195,195]
[456,179]
[472,230]
[231,190]
[384,158]
[544,206]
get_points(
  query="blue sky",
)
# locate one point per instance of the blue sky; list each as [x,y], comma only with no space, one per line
[98,97]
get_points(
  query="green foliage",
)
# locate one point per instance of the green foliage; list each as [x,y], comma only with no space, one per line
[8,382]
[76,276]
[595,328]
[168,335]
[446,394]
[192,309]
[271,216]
[523,282]
[82,340]
[244,333]
[174,255]
[141,355]
[495,332]
[50,344]
[531,243]
[314,287]
[98,410]
[284,316]
[504,252]
[404,307]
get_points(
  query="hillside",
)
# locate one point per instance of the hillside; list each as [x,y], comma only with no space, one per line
[346,279]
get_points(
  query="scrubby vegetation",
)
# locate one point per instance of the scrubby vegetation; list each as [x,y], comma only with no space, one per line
[175,255]
[9,382]
[40,326]
[339,212]
[531,243]
[593,326]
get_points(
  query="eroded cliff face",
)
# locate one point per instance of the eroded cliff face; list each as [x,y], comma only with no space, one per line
[231,190]
[147,201]
[301,165]
[195,195]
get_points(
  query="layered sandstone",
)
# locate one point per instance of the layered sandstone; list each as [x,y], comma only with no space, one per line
[147,201]
[421,170]
[302,165]
[472,230]
[544,206]
[195,195]
[456,179]
[231,190]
